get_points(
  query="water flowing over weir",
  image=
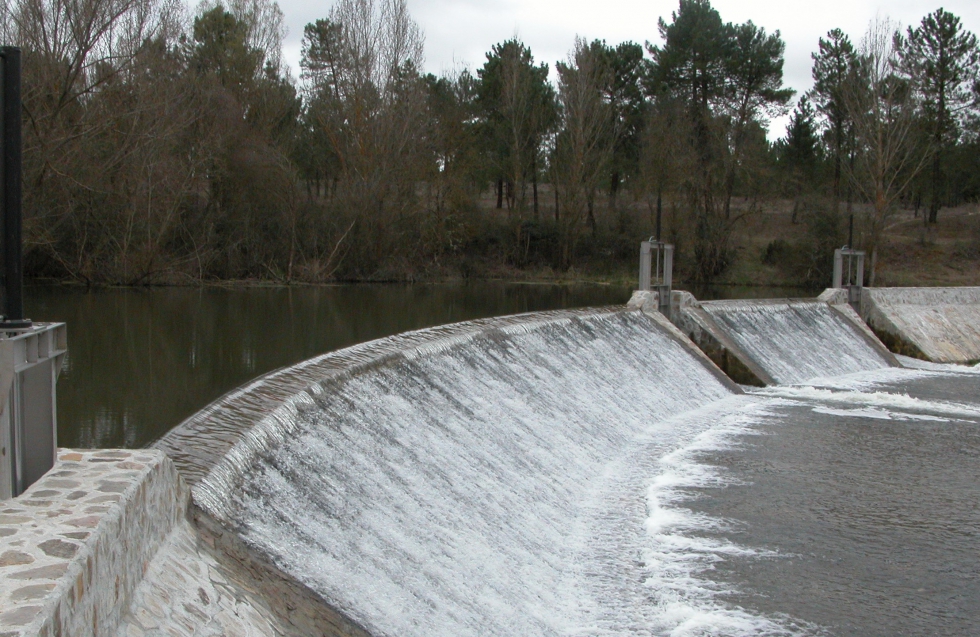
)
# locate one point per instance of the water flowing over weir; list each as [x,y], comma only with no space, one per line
[793,341]
[463,486]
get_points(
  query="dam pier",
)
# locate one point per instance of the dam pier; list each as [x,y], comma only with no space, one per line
[594,471]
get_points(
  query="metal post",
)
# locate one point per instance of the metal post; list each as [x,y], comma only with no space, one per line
[645,258]
[854,296]
[838,269]
[13,276]
[666,281]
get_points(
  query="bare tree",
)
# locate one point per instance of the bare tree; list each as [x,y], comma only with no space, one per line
[366,97]
[584,146]
[881,104]
[96,185]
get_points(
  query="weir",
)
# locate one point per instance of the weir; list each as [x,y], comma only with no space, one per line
[484,478]
[782,341]
[440,488]
[941,325]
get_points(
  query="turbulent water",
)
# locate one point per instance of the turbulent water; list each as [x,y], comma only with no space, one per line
[591,476]
[796,340]
[864,491]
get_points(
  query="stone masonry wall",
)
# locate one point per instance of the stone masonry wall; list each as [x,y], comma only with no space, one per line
[76,544]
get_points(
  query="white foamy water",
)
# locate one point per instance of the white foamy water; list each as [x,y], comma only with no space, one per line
[915,363]
[643,565]
[528,483]
[873,399]
[679,557]
[796,341]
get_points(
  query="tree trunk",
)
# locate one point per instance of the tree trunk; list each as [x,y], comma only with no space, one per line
[838,161]
[660,210]
[557,217]
[591,216]
[937,184]
[729,189]
[534,184]
[937,167]
[613,189]
[500,193]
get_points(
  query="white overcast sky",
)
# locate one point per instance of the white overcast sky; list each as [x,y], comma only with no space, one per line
[462,31]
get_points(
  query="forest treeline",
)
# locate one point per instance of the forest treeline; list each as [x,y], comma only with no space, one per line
[166,146]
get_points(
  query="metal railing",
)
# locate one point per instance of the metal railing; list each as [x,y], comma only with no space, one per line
[656,269]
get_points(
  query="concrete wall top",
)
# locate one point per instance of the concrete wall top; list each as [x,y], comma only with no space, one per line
[925,296]
[749,304]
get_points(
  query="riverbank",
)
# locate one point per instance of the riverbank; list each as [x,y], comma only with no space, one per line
[767,248]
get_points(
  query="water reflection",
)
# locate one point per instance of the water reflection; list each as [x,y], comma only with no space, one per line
[143,360]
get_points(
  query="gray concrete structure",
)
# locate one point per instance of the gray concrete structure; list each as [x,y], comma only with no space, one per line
[30,363]
[941,325]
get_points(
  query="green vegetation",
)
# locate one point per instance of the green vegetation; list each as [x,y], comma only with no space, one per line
[163,152]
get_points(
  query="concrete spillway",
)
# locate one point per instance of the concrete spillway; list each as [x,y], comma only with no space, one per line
[449,490]
[937,324]
[784,341]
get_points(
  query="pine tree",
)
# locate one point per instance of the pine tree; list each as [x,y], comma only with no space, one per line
[943,61]
[832,66]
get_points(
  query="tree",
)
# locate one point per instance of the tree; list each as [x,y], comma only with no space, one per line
[221,48]
[730,79]
[320,73]
[103,103]
[833,66]
[943,62]
[365,107]
[691,64]
[882,105]
[691,67]
[624,94]
[585,143]
[800,150]
[754,74]
[262,27]
[453,139]
[519,110]
[666,154]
